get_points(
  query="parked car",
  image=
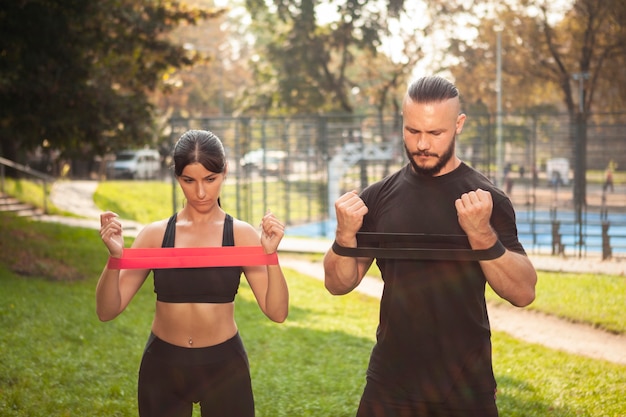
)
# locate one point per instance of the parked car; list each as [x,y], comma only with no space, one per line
[270,161]
[135,164]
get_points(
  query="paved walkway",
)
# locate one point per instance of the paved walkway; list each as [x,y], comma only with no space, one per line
[524,324]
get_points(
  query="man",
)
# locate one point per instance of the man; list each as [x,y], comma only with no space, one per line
[433,351]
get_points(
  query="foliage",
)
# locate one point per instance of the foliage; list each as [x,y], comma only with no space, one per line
[311,65]
[88,92]
[211,86]
[311,365]
[546,57]
[544,48]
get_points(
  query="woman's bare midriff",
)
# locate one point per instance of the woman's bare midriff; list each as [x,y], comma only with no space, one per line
[194,325]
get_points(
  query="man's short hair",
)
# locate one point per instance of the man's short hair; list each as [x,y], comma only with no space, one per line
[431,89]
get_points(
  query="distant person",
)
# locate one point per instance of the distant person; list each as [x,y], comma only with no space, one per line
[508,181]
[194,353]
[608,179]
[433,350]
[508,168]
[508,178]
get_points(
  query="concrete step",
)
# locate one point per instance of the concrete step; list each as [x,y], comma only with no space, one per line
[10,204]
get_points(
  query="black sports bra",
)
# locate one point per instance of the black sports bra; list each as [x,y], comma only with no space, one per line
[197,285]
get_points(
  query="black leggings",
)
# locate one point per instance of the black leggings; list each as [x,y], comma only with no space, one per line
[172,378]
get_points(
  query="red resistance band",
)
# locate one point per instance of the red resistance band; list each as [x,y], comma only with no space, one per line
[165,258]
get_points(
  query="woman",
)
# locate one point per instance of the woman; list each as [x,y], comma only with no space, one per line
[194,353]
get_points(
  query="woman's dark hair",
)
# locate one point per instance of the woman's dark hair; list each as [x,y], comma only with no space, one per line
[199,146]
[431,89]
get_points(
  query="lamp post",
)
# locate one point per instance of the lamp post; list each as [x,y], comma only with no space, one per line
[580,180]
[499,145]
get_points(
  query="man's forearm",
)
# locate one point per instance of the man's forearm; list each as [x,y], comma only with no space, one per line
[513,277]
[341,273]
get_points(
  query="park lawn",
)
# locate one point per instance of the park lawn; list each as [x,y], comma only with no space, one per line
[594,299]
[312,365]
[148,201]
[58,359]
[141,201]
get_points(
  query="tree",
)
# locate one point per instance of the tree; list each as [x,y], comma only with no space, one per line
[76,74]
[573,55]
[543,55]
[304,66]
[211,86]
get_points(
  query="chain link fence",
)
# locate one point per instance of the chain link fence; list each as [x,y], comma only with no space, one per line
[298,166]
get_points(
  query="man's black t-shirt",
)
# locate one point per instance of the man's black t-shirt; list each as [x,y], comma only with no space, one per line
[433,338]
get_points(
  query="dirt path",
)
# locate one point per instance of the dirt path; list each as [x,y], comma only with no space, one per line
[524,324]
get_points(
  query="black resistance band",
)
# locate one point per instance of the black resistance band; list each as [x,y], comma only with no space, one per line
[418,247]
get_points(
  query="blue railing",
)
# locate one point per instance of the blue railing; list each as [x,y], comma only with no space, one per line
[544,232]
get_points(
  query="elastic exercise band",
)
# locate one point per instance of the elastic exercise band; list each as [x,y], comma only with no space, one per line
[411,246]
[165,258]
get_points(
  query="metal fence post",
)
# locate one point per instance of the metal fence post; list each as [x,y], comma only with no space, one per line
[606,240]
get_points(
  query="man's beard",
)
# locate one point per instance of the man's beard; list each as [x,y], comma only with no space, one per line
[435,169]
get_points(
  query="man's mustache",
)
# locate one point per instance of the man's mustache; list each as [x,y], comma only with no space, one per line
[424,153]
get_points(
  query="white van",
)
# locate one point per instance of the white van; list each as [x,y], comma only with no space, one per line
[557,171]
[136,164]
[270,161]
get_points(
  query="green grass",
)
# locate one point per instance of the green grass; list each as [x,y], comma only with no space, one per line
[142,201]
[595,299]
[312,365]
[59,360]
[31,192]
[148,201]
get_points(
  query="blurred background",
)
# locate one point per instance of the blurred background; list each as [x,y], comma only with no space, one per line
[306,97]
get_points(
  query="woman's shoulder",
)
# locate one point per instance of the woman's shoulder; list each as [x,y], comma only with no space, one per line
[240,225]
[151,236]
[245,233]
[159,225]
